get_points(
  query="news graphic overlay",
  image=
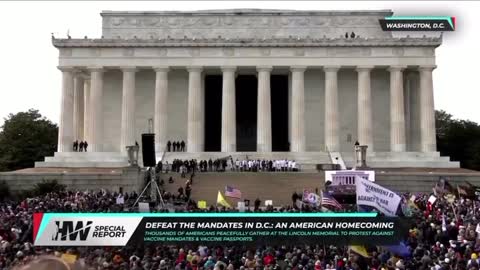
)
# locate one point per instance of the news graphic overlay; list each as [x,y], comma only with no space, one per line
[98,229]
[413,23]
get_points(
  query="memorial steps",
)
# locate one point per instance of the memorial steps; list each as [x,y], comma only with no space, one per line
[423,179]
[279,186]
[276,186]
[307,161]
[85,159]
[403,160]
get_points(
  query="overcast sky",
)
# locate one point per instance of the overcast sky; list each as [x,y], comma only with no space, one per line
[29,77]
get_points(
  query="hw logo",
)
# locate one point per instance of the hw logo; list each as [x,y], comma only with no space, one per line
[67,231]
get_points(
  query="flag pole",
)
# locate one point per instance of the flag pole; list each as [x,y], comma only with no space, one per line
[454,212]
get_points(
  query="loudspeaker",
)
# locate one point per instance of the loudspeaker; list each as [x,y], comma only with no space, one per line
[148,150]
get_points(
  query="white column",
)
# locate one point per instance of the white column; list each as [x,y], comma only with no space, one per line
[332,139]
[96,110]
[194,109]
[264,111]
[86,109]
[297,143]
[78,98]
[127,132]
[229,122]
[161,108]
[427,110]
[407,93]
[397,110]
[65,129]
[364,107]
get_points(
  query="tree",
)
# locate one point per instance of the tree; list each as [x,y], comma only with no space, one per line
[26,137]
[45,187]
[458,139]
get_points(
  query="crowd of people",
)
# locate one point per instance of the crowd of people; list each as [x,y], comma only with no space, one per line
[189,166]
[176,146]
[257,165]
[443,236]
[227,163]
[80,147]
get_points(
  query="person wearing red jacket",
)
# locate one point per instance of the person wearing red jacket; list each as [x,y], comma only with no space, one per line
[181,257]
[268,259]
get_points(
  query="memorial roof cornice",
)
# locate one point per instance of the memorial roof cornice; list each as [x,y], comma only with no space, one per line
[223,42]
[252,11]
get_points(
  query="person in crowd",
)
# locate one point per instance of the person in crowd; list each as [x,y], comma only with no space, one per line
[166,166]
[75,146]
[183,170]
[257,204]
[81,146]
[169,145]
[191,178]
[182,146]
[188,191]
[159,167]
[237,165]
[210,165]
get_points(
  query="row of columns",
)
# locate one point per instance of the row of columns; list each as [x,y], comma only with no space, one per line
[81,115]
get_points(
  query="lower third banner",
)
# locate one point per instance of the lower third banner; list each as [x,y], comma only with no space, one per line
[92,229]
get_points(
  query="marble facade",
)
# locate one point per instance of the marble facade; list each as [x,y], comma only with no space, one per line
[374,88]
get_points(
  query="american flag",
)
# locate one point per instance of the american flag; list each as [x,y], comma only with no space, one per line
[328,200]
[233,192]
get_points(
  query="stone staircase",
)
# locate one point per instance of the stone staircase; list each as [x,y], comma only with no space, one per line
[422,182]
[279,186]
[276,186]
[403,160]
[307,161]
[85,159]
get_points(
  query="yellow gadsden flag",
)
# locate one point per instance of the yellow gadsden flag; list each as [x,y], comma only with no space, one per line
[69,258]
[360,250]
[202,204]
[221,200]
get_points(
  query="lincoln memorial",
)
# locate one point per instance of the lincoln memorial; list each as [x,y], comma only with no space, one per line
[304,85]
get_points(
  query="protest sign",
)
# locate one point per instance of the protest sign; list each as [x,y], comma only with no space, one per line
[311,198]
[120,200]
[241,206]
[143,208]
[371,194]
